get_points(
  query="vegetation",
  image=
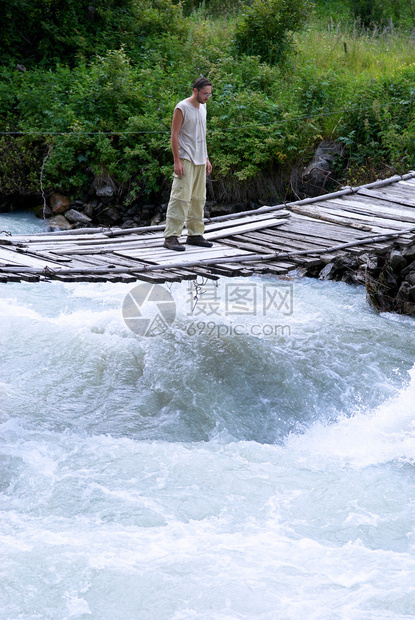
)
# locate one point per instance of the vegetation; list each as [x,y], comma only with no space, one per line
[88,88]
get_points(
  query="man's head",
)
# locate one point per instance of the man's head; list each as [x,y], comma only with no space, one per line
[202,89]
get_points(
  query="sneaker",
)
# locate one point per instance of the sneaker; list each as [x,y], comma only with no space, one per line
[172,243]
[199,240]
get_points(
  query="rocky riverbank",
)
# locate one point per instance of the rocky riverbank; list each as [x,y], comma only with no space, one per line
[389,276]
[101,207]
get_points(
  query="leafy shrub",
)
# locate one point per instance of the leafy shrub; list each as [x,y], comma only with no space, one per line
[48,31]
[370,12]
[267,26]
[379,127]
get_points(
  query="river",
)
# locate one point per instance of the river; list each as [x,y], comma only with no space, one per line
[253,461]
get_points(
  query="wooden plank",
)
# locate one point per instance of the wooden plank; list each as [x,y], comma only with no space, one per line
[378,211]
[333,210]
[298,240]
[390,197]
[310,227]
[399,192]
[122,245]
[374,205]
[275,243]
[312,212]
[249,246]
[255,217]
[236,230]
[17,258]
[166,257]
[322,241]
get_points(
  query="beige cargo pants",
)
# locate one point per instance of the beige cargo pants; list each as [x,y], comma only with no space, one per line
[187,201]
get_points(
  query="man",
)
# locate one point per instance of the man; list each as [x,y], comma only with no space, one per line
[191,164]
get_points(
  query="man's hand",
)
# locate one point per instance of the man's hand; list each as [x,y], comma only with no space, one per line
[178,169]
[208,167]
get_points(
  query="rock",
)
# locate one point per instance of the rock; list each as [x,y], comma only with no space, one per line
[59,204]
[109,215]
[397,261]
[409,308]
[410,278]
[20,68]
[317,176]
[88,210]
[104,186]
[156,219]
[359,278]
[409,252]
[327,272]
[403,290]
[42,211]
[368,262]
[59,222]
[76,217]
[411,293]
[128,224]
[133,210]
[408,269]
[227,209]
[78,205]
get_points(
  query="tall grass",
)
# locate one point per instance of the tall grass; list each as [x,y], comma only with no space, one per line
[355,53]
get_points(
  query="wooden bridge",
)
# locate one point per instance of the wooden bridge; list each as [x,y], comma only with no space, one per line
[275,240]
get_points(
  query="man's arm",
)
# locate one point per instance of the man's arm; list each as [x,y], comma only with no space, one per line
[208,167]
[175,130]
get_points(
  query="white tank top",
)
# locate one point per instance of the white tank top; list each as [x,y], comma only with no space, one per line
[192,136]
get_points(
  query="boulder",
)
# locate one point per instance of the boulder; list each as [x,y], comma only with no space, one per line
[409,308]
[409,252]
[109,216]
[76,217]
[78,205]
[59,222]
[105,190]
[89,210]
[59,204]
[408,269]
[397,261]
[327,272]
[368,262]
[318,175]
[103,186]
[42,211]
[156,219]
[128,224]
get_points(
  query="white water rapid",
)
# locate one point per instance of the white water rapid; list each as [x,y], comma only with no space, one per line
[252,462]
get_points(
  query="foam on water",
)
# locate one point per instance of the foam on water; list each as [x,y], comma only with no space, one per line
[116,528]
[385,434]
[205,475]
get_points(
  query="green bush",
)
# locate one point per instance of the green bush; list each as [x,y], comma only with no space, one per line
[370,12]
[49,31]
[380,125]
[111,114]
[267,26]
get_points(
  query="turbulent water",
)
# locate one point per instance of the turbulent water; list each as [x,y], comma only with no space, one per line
[253,461]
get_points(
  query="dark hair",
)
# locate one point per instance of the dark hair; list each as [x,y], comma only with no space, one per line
[201,82]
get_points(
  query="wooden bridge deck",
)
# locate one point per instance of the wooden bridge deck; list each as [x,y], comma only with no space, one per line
[269,240]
